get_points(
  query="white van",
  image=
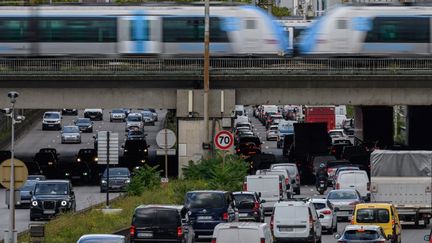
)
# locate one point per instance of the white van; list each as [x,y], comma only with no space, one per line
[295,221]
[354,179]
[270,109]
[271,187]
[341,110]
[284,173]
[240,110]
[339,120]
[242,232]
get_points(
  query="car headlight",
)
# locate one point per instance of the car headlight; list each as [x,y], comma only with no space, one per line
[145,150]
[63,203]
[58,122]
[50,163]
[79,160]
[96,159]
[103,181]
[125,150]
[127,181]
[34,203]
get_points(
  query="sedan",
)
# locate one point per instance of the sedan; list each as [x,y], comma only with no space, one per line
[135,134]
[102,238]
[84,124]
[148,118]
[272,133]
[344,201]
[362,234]
[324,208]
[70,134]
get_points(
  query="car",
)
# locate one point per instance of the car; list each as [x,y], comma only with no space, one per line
[84,124]
[148,118]
[36,177]
[344,201]
[70,134]
[135,134]
[382,214]
[285,174]
[325,208]
[85,168]
[25,195]
[117,115]
[94,114]
[362,234]
[354,179]
[119,179]
[337,133]
[47,162]
[51,197]
[428,237]
[134,120]
[87,155]
[248,146]
[158,223]
[271,133]
[135,152]
[51,120]
[338,146]
[295,221]
[249,206]
[332,166]
[293,173]
[69,112]
[206,209]
[242,232]
[102,238]
[271,188]
[155,114]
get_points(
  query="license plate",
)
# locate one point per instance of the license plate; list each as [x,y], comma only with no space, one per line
[50,125]
[286,229]
[321,185]
[49,211]
[145,235]
[204,217]
[243,215]
[344,213]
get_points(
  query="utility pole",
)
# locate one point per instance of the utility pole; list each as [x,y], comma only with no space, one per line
[206,70]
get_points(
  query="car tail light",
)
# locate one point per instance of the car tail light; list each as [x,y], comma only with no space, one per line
[245,186]
[310,222]
[333,151]
[368,186]
[256,206]
[326,212]
[225,216]
[287,181]
[213,240]
[298,177]
[393,222]
[337,186]
[179,231]
[132,231]
[272,222]
[262,240]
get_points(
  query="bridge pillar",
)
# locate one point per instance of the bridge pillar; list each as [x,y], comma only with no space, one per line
[374,124]
[190,110]
[419,129]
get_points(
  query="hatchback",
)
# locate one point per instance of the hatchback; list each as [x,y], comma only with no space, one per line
[362,234]
[102,238]
[249,206]
[344,201]
[329,219]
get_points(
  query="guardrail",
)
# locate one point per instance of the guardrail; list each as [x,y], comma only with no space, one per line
[218,66]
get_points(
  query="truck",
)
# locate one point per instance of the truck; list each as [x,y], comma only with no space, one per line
[321,114]
[403,178]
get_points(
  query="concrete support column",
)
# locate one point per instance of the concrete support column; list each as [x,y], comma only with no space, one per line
[418,127]
[358,122]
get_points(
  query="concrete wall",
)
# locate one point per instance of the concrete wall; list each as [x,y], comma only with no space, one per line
[215,97]
[190,140]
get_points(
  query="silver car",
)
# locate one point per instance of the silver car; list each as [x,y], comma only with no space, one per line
[293,174]
[70,134]
[324,208]
[362,234]
[134,120]
[344,201]
[117,115]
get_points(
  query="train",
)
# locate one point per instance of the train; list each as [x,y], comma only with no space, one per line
[144,30]
[371,31]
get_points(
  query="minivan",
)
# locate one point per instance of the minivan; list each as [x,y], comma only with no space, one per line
[295,221]
[155,223]
[354,179]
[244,232]
[206,209]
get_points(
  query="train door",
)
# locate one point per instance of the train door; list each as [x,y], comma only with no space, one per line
[139,35]
[341,37]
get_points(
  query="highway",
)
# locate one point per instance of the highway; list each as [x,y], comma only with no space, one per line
[34,139]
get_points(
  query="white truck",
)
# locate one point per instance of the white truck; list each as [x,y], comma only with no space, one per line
[403,178]
[271,188]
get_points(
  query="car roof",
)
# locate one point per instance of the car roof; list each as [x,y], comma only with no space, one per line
[58,112]
[93,109]
[373,205]
[284,164]
[207,191]
[244,192]
[359,226]
[54,181]
[319,200]
[344,172]
[343,190]
[70,126]
[135,114]
[176,207]
[336,130]
[248,225]
[292,203]
[98,236]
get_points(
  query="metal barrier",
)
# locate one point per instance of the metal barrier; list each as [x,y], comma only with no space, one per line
[219,66]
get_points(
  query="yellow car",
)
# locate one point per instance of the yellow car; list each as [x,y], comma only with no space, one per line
[381,214]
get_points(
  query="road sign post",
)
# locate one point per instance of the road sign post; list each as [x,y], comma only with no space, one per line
[107,153]
[166,139]
[223,141]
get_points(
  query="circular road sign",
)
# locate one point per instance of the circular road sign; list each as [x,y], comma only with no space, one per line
[170,137]
[21,173]
[224,140]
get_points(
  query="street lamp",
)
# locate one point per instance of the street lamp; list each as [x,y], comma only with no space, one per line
[13,95]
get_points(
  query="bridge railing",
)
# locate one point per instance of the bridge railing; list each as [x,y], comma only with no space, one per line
[218,66]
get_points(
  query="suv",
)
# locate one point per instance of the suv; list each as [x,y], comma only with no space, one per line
[135,152]
[295,221]
[51,120]
[155,223]
[93,114]
[70,112]
[46,162]
[119,179]
[117,115]
[50,198]
[134,120]
[249,206]
[206,209]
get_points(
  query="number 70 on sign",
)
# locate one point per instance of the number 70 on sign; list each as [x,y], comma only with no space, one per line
[224,140]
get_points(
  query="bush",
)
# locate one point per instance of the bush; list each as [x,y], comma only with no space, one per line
[180,187]
[146,177]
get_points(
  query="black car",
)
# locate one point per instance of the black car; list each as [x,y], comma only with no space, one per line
[70,112]
[84,124]
[135,134]
[47,163]
[135,152]
[157,223]
[119,179]
[85,168]
[51,197]
[249,206]
[206,209]
[248,145]
[87,155]
[25,193]
[94,114]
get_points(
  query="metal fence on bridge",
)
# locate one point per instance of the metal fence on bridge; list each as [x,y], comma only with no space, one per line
[218,66]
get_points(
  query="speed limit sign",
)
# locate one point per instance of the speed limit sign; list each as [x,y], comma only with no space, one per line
[224,140]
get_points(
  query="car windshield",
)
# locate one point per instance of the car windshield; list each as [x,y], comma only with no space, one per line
[87,151]
[291,169]
[239,198]
[70,130]
[83,121]
[117,111]
[336,134]
[28,186]
[373,215]
[273,128]
[134,118]
[147,113]
[51,189]
[117,172]
[204,200]
[51,116]
[49,157]
[136,132]
[342,195]
[361,235]
[319,206]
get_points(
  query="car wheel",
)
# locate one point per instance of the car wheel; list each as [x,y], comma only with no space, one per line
[319,240]
[297,191]
[335,228]
[110,120]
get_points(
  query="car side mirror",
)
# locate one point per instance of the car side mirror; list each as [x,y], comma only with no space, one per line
[263,201]
[321,216]
[336,209]
[337,236]
[72,193]
[426,237]
[259,194]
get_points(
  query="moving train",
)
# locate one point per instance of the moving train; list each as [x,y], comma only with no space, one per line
[138,30]
[370,31]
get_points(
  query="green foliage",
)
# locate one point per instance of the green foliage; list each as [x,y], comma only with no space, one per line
[180,187]
[146,177]
[219,175]
[280,11]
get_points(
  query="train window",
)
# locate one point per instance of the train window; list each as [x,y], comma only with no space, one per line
[250,24]
[139,31]
[14,29]
[191,29]
[400,30]
[58,29]
[341,24]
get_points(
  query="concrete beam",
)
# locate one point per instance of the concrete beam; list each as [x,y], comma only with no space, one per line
[80,98]
[215,97]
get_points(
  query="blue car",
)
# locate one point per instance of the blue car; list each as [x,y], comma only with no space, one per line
[102,238]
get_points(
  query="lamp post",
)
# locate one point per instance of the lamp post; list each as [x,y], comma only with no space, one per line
[206,69]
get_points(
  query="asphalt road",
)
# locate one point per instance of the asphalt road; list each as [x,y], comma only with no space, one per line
[30,143]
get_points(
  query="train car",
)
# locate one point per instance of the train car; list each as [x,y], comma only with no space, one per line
[138,30]
[370,31]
